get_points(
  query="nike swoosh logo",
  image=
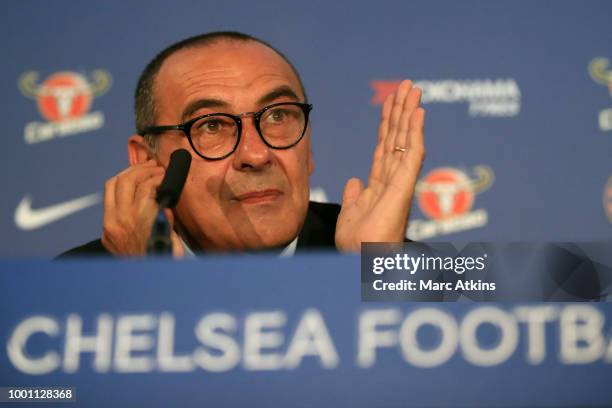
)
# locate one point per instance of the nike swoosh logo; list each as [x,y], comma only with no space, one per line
[28,219]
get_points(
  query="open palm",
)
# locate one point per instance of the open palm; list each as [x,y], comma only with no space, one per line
[379,212]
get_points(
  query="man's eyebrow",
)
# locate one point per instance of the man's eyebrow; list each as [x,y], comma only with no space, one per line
[278,93]
[281,91]
[201,104]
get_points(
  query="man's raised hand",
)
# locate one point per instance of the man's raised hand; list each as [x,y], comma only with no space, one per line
[380,211]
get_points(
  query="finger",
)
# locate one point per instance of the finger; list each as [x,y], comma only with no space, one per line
[374,179]
[416,154]
[128,180]
[402,182]
[404,179]
[352,190]
[413,98]
[132,167]
[376,169]
[390,158]
[109,194]
[396,112]
[383,129]
[146,191]
[149,164]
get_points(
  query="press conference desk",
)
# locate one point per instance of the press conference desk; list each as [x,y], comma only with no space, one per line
[263,331]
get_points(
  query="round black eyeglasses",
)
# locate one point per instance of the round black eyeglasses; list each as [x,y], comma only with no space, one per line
[215,136]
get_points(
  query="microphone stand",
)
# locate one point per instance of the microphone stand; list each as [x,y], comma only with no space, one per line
[159,242]
[168,194]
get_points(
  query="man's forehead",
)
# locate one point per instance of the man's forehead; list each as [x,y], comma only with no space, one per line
[238,63]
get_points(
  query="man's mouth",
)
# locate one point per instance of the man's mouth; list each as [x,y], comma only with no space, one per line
[259,196]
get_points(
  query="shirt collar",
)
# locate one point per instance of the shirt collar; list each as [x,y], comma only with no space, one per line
[287,251]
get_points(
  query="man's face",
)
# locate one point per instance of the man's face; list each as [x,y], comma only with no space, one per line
[258,196]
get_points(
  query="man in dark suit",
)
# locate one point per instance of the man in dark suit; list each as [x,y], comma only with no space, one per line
[239,106]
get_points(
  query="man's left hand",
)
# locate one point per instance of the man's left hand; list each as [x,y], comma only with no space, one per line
[380,211]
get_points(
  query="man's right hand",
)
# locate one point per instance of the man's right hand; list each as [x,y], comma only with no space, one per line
[130,210]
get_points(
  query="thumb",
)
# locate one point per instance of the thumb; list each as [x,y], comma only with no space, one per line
[178,250]
[352,191]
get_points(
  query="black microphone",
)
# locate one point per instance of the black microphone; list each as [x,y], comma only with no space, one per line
[167,196]
[170,189]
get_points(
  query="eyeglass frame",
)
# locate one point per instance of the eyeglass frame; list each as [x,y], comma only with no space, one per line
[185,127]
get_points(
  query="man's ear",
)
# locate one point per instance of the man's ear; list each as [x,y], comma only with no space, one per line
[138,150]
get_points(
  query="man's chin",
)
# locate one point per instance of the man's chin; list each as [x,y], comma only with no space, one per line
[271,239]
[264,226]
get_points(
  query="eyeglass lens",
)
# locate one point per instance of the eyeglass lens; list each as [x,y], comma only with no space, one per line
[217,135]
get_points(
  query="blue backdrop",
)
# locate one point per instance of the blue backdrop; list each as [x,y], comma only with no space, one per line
[518,128]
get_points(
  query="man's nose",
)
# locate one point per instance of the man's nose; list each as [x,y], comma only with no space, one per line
[252,153]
